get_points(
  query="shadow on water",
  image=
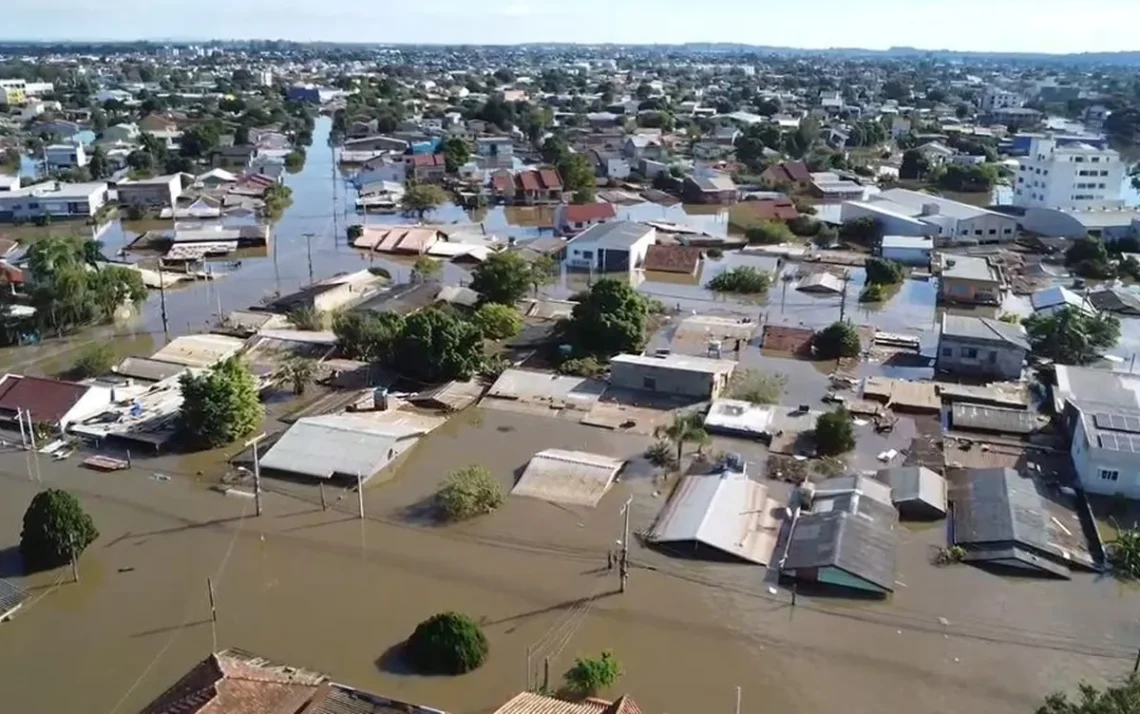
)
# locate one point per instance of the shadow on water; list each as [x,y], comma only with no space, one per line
[564,605]
[395,661]
[11,563]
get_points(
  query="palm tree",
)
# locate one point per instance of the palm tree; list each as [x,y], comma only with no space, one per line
[300,372]
[686,426]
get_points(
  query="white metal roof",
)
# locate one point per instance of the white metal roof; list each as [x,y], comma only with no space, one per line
[577,478]
[738,416]
[685,363]
[729,512]
[346,444]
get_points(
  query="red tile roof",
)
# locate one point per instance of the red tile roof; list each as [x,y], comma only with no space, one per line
[792,171]
[771,209]
[501,181]
[48,400]
[587,212]
[530,703]
[550,179]
[427,160]
[672,259]
[528,181]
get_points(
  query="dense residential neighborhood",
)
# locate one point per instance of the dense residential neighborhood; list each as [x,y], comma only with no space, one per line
[813,369]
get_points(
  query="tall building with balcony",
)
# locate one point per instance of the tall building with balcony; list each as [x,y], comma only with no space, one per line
[1069,175]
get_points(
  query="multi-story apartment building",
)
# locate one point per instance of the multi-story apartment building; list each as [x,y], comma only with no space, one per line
[995,99]
[58,200]
[1070,175]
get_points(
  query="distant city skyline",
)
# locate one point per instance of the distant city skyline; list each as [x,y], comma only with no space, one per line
[1053,26]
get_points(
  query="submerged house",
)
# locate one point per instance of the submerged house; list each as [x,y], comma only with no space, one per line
[846,540]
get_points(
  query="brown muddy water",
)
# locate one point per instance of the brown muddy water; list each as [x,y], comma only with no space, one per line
[327,591]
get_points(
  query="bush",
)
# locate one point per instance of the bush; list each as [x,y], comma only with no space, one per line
[715,253]
[95,360]
[661,455]
[883,272]
[306,318]
[804,226]
[219,406]
[834,433]
[582,367]
[805,208]
[55,527]
[864,230]
[754,386]
[469,492]
[744,280]
[873,292]
[589,676]
[447,643]
[497,321]
[769,233]
[837,340]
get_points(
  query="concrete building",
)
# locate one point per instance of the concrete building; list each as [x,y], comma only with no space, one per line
[156,192]
[969,280]
[996,99]
[1069,175]
[66,156]
[676,375]
[614,246]
[911,213]
[50,401]
[981,347]
[908,250]
[13,91]
[58,200]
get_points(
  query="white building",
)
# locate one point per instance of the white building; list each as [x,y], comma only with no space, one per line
[615,246]
[995,99]
[58,200]
[1068,175]
[65,156]
[902,212]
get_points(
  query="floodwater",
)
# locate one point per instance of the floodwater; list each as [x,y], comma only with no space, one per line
[326,591]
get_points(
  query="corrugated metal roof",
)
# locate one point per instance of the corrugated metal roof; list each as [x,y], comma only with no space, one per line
[999,506]
[11,598]
[982,418]
[684,363]
[577,478]
[344,444]
[199,350]
[612,235]
[729,512]
[151,370]
[48,400]
[525,385]
[530,703]
[983,328]
[916,484]
[339,699]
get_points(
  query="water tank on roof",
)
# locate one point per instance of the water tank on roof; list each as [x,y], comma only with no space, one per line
[380,398]
[930,209]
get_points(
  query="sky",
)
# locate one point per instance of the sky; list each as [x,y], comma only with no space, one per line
[1058,26]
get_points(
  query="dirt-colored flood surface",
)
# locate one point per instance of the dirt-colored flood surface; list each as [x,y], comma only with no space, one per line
[326,591]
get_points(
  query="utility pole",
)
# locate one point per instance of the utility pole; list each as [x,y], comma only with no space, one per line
[256,471]
[324,503]
[528,668]
[161,278]
[31,428]
[623,565]
[213,613]
[74,560]
[332,168]
[360,493]
[843,298]
[309,248]
[545,675]
[1136,664]
[738,700]
[20,421]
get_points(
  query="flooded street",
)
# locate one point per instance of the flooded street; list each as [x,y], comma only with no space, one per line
[326,591]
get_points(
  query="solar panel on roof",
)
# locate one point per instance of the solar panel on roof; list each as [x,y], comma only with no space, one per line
[1129,423]
[1120,441]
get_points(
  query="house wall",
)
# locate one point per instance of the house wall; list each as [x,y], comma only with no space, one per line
[969,291]
[73,156]
[979,358]
[988,228]
[1090,462]
[144,195]
[667,379]
[892,225]
[22,207]
[840,578]
[93,402]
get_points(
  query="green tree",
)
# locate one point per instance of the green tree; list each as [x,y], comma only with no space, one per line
[914,165]
[447,643]
[295,160]
[837,340]
[456,153]
[299,371]
[686,427]
[241,135]
[219,406]
[660,454]
[1124,553]
[426,268]
[468,492]
[497,321]
[111,287]
[834,432]
[1114,699]
[577,176]
[437,346]
[865,231]
[1089,258]
[590,675]
[752,144]
[199,141]
[883,272]
[974,178]
[611,318]
[769,233]
[504,278]
[56,528]
[306,318]
[742,280]
[754,386]
[423,197]
[543,271]
[366,335]
[99,167]
[1069,336]
[94,360]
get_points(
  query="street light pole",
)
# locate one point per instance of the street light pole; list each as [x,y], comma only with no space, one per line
[623,566]
[256,471]
[309,248]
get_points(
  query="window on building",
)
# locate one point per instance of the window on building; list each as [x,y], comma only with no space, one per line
[978,232]
[649,383]
[969,353]
[32,206]
[588,254]
[1021,179]
[993,231]
[1095,159]
[1006,231]
[947,352]
[1108,474]
[1104,173]
[1079,159]
[1101,185]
